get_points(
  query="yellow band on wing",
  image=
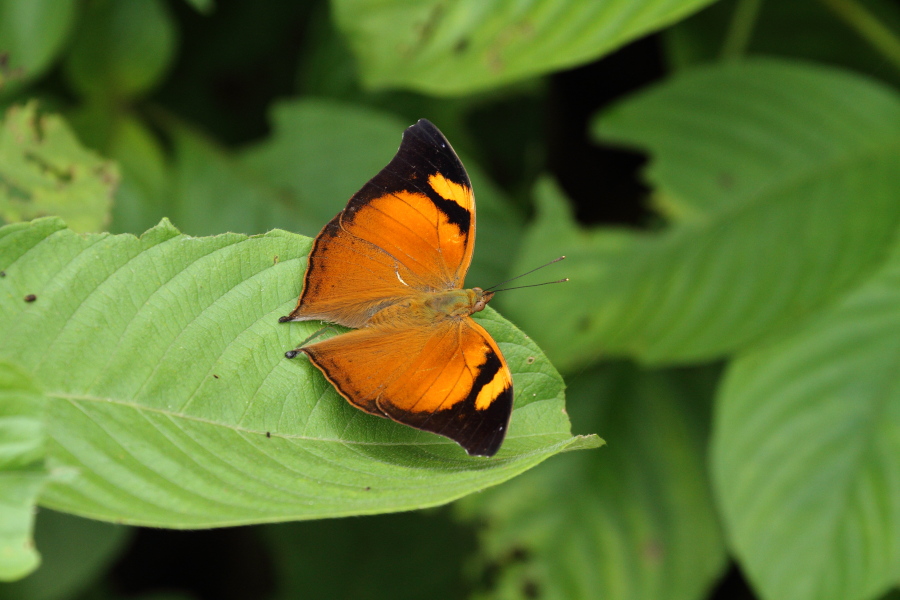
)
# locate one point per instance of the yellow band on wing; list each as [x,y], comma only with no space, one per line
[449,190]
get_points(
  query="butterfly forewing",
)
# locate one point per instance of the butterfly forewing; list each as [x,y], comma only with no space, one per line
[411,228]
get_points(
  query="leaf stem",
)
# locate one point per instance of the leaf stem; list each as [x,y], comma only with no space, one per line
[868,27]
[740,29]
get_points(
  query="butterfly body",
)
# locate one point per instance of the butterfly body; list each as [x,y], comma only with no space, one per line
[433,307]
[391,265]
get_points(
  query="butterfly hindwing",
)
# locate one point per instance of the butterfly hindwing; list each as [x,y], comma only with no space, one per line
[448,378]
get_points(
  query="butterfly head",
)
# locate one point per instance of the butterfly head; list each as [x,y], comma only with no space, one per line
[481,298]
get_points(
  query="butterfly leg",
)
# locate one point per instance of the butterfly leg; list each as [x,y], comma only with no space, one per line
[296,351]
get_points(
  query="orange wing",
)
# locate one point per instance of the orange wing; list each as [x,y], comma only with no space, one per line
[447,377]
[410,229]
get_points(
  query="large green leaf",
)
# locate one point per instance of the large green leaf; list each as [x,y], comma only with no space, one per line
[806,452]
[22,471]
[32,32]
[634,521]
[322,152]
[452,48]
[169,395]
[784,179]
[44,170]
[121,48]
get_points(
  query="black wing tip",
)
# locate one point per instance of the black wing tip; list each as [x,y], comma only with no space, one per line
[425,125]
[478,432]
[487,450]
[486,442]
[428,132]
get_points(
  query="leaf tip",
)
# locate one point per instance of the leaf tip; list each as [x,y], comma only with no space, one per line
[164,230]
[585,442]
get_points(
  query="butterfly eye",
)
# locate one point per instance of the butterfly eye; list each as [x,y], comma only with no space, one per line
[479,306]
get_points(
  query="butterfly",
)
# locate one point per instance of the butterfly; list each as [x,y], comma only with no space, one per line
[391,265]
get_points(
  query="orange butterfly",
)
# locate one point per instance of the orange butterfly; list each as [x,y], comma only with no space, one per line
[392,265]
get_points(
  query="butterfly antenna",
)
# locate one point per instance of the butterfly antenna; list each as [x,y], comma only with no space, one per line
[555,260]
[519,287]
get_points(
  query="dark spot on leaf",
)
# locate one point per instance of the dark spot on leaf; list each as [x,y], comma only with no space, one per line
[268,434]
[726,181]
[216,376]
[461,46]
[2,273]
[530,589]
[62,175]
[519,554]
[426,28]
[367,488]
[529,360]
[30,298]
[276,259]
[653,551]
[106,175]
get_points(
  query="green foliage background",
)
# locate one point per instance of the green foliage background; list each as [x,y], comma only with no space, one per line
[735,340]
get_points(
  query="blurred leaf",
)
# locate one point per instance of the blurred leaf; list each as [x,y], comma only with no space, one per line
[459,47]
[74,552]
[404,556]
[327,69]
[121,48]
[806,452]
[800,28]
[203,6]
[22,472]
[44,170]
[731,136]
[322,152]
[144,194]
[32,33]
[213,192]
[785,181]
[172,401]
[632,521]
[591,255]
[202,187]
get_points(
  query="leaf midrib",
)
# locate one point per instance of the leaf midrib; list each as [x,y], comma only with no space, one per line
[74,398]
